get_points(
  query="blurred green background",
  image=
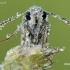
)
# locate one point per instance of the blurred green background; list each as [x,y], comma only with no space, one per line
[60,32]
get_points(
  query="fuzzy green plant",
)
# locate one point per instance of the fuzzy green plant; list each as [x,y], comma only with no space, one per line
[29,58]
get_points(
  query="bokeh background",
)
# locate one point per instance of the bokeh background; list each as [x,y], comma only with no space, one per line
[60,32]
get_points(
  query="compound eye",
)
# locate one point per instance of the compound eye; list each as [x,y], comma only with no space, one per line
[44,15]
[28,16]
